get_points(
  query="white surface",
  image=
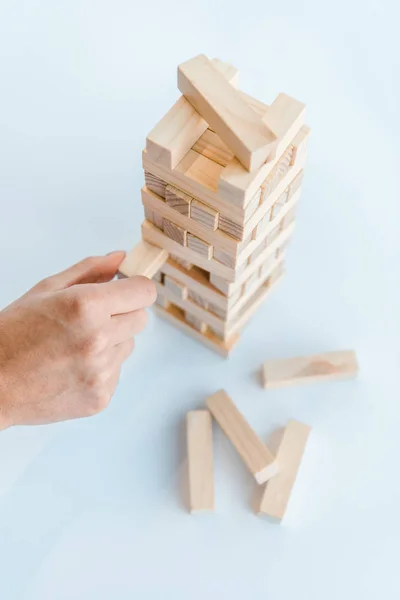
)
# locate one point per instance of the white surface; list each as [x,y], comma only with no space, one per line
[92,509]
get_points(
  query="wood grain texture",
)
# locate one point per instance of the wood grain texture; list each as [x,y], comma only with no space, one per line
[329,366]
[204,214]
[176,233]
[198,299]
[144,259]
[183,263]
[176,316]
[284,117]
[200,460]
[240,128]
[178,200]
[224,258]
[289,456]
[230,227]
[198,245]
[254,453]
[181,127]
[176,287]
[211,146]
[195,322]
[155,184]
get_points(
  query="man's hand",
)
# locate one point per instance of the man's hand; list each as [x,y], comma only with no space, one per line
[63,343]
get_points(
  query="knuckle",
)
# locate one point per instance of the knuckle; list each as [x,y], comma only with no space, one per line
[100,399]
[79,305]
[93,344]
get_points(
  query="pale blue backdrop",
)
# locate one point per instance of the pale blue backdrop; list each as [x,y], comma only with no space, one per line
[92,510]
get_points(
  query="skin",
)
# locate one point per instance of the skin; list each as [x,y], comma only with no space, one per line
[63,343]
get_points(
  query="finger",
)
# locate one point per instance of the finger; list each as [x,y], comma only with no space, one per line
[90,270]
[124,327]
[126,295]
[121,353]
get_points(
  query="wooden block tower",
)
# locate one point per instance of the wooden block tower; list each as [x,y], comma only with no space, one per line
[223,175]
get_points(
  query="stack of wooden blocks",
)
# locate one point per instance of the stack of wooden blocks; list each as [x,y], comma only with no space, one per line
[223,175]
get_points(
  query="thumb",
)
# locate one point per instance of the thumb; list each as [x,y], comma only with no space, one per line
[94,269]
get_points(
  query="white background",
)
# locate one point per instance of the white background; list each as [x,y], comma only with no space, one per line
[93,509]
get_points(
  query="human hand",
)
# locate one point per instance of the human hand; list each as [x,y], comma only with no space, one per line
[62,344]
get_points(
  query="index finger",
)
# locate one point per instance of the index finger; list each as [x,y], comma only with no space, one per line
[126,295]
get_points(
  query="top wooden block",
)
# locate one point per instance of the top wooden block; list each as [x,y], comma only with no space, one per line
[225,110]
[174,135]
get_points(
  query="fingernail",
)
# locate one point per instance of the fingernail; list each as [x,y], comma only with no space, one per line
[115,252]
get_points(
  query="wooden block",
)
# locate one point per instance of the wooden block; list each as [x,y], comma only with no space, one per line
[230,227]
[253,452]
[176,316]
[196,244]
[193,309]
[176,287]
[161,300]
[204,214]
[211,146]
[199,169]
[224,258]
[155,184]
[300,145]
[284,117]
[149,215]
[153,217]
[154,236]
[184,263]
[198,299]
[143,259]
[195,322]
[220,283]
[254,303]
[181,127]
[279,204]
[158,277]
[217,310]
[178,200]
[237,186]
[226,111]
[200,460]
[277,173]
[175,232]
[329,366]
[290,453]
[235,276]
[295,185]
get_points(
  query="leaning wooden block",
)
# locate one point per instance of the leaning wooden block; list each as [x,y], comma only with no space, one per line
[200,460]
[196,244]
[204,214]
[178,200]
[176,287]
[181,127]
[175,232]
[143,259]
[225,110]
[254,453]
[329,366]
[290,453]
